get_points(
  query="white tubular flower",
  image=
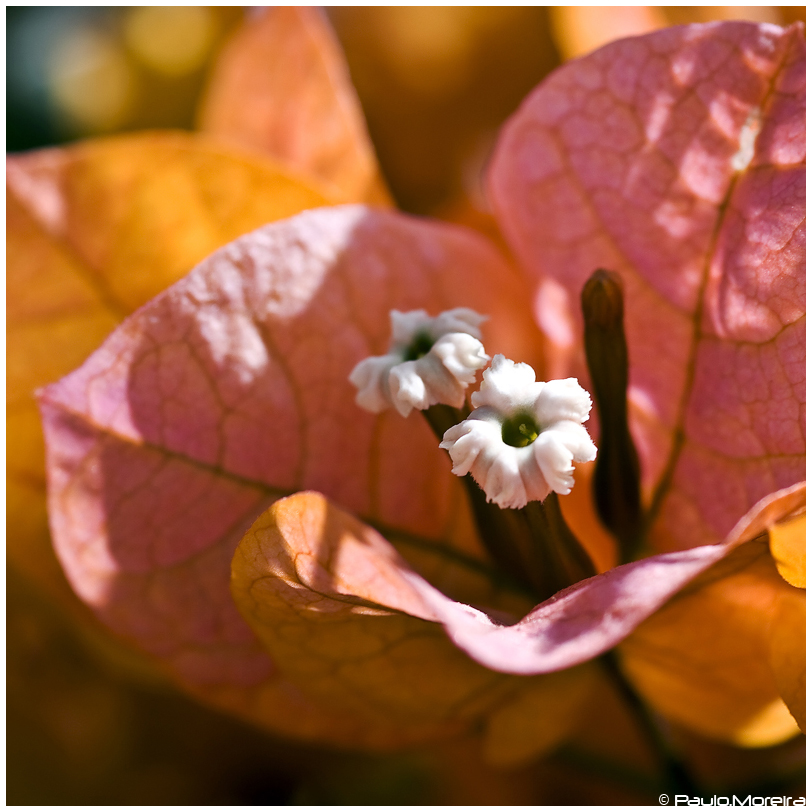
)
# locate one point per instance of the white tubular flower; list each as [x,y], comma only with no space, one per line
[430,360]
[520,441]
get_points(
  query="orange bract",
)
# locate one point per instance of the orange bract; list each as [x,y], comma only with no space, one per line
[95,231]
[281,87]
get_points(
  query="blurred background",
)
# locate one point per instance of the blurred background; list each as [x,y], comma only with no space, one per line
[435,85]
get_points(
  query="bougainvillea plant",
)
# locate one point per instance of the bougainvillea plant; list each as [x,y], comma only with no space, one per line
[219,498]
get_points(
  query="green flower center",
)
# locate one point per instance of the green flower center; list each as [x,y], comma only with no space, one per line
[520,430]
[420,346]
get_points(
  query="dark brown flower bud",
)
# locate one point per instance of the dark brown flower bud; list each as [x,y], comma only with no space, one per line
[616,482]
[602,300]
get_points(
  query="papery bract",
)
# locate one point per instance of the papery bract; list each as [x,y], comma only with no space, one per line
[97,229]
[281,86]
[349,620]
[230,390]
[788,548]
[739,612]
[677,159]
[738,609]
[93,232]
[787,656]
[581,29]
[346,618]
[574,626]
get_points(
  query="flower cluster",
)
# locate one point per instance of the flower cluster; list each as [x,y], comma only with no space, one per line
[520,441]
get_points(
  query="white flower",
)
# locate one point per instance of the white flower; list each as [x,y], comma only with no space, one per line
[430,360]
[520,441]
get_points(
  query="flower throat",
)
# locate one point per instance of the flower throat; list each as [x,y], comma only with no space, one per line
[421,345]
[520,430]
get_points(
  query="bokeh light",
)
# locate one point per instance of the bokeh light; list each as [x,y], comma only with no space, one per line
[74,72]
[435,82]
[91,80]
[173,40]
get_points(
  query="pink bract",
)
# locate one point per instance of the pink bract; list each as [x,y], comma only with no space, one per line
[230,390]
[635,159]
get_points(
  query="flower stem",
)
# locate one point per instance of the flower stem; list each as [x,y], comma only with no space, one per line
[533,545]
[505,534]
[562,557]
[676,777]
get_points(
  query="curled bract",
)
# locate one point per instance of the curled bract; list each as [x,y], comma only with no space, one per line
[520,441]
[430,360]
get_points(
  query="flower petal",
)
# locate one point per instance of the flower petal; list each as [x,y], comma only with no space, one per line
[576,438]
[507,386]
[408,385]
[405,325]
[562,400]
[512,455]
[466,441]
[462,355]
[370,377]
[460,320]
[554,460]
[502,480]
[430,361]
